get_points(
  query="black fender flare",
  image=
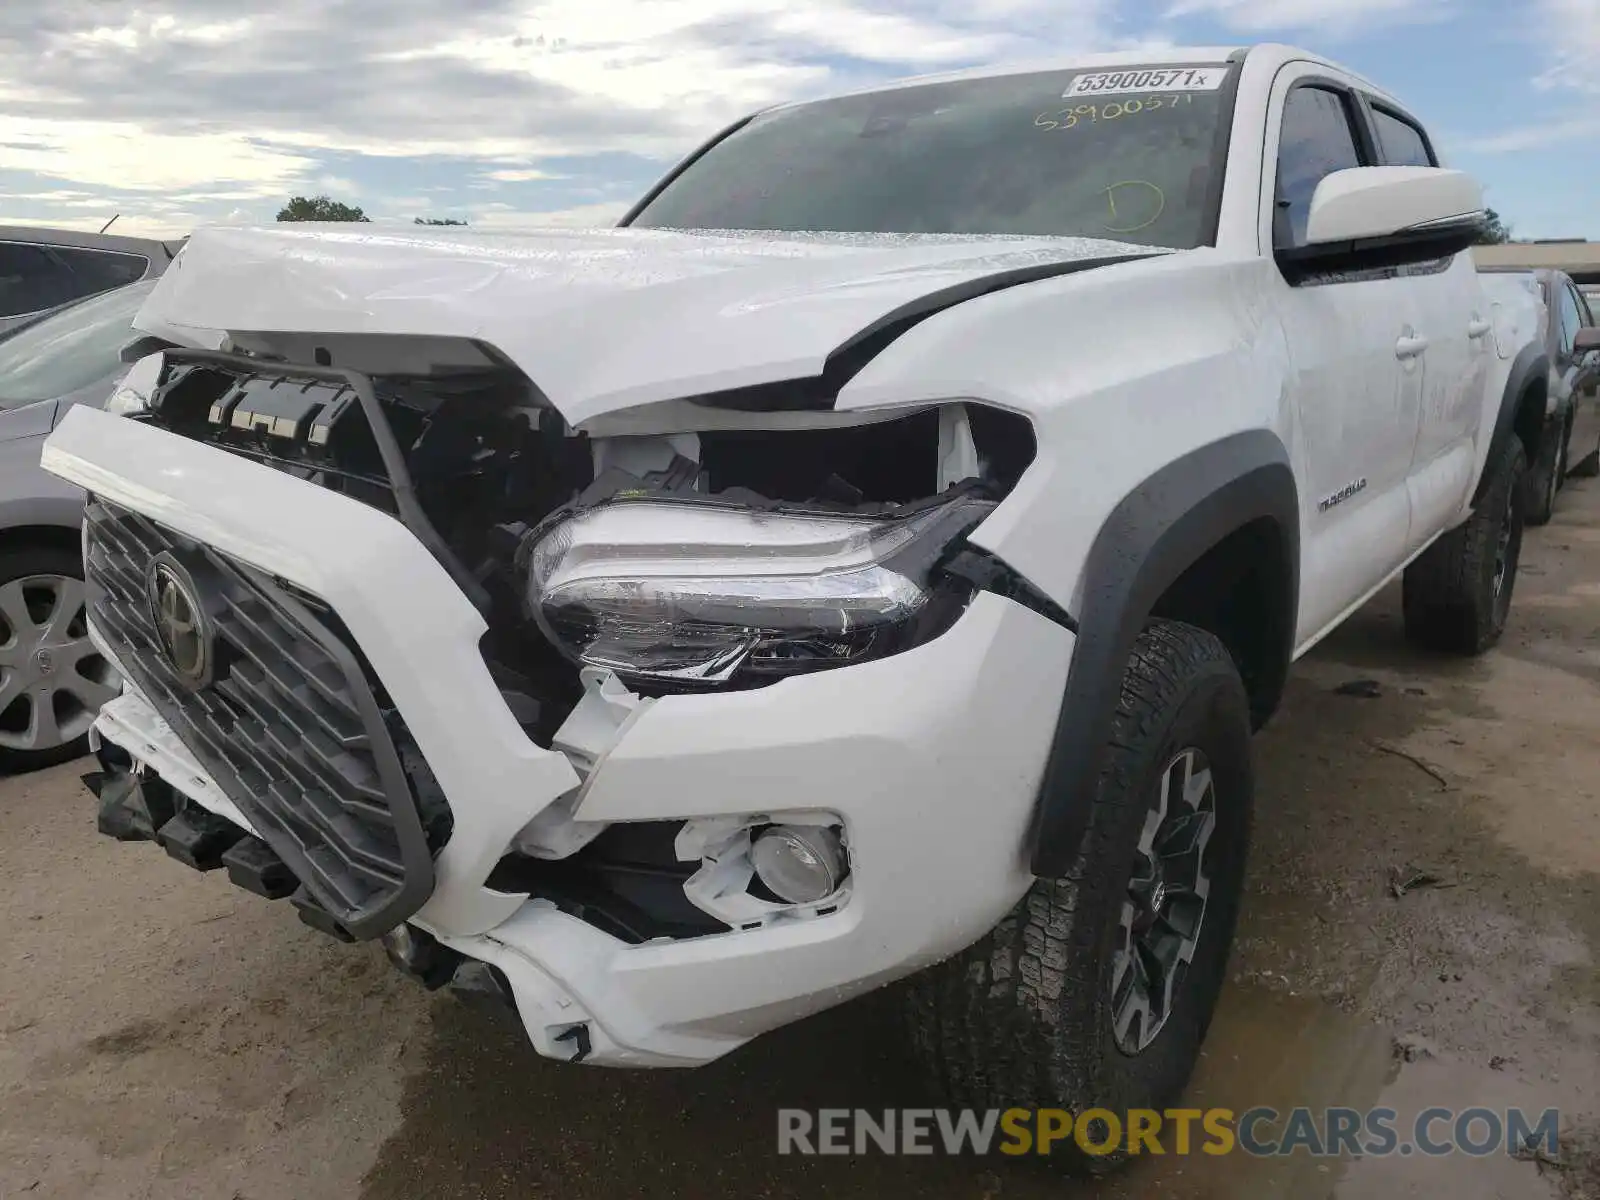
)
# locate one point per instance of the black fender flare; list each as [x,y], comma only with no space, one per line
[1530,366]
[1155,533]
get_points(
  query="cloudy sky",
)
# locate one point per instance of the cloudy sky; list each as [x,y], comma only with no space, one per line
[509,112]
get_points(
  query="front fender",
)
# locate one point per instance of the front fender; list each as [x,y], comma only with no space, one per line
[1159,399]
[1153,535]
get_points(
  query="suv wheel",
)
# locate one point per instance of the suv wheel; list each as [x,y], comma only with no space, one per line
[1457,595]
[1588,466]
[52,679]
[1544,479]
[1097,989]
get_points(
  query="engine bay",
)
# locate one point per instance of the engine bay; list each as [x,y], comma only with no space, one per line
[482,469]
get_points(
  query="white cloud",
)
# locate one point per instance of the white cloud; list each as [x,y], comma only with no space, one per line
[525,175]
[199,107]
[1569,131]
[1571,32]
[1323,16]
[338,185]
[128,156]
[583,216]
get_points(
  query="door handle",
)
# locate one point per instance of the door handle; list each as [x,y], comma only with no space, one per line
[1410,347]
[1477,327]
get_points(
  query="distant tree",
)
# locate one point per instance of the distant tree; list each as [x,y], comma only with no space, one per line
[318,208]
[1495,230]
[438,221]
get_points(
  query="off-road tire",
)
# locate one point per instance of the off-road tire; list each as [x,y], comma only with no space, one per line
[1544,477]
[1024,1017]
[1450,598]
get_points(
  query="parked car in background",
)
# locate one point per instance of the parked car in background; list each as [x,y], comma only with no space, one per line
[1571,441]
[52,681]
[42,269]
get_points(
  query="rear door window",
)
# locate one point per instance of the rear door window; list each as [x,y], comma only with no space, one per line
[1401,143]
[35,277]
[31,279]
[102,270]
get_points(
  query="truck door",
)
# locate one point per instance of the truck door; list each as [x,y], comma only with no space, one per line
[1358,363]
[1452,320]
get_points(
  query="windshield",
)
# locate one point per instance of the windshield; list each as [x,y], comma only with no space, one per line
[70,349]
[1129,154]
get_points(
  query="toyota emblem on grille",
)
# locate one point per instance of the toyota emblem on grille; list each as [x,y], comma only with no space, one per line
[180,620]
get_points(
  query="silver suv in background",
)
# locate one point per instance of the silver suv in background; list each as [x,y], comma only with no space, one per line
[42,268]
[52,680]
[1570,343]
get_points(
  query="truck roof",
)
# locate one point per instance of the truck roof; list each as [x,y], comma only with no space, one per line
[1276,53]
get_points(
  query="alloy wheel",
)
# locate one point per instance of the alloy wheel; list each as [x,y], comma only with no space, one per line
[1165,908]
[52,679]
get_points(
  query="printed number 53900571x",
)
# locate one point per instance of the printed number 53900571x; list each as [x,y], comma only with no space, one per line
[1147,79]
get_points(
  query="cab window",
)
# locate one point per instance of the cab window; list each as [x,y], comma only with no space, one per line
[1318,139]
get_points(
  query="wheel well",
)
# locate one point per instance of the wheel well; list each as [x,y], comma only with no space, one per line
[1243,591]
[1529,421]
[26,537]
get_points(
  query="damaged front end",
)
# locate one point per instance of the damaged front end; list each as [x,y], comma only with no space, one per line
[611,571]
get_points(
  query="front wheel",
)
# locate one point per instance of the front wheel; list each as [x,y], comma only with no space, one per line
[1096,991]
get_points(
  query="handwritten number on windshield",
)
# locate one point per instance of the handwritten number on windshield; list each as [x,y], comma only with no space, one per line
[1110,110]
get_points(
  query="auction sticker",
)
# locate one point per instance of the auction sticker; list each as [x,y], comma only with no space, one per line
[1147,79]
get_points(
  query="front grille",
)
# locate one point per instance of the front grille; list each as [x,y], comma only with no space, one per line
[287,720]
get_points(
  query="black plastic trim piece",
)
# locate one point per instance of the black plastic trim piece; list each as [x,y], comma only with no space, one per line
[578,1035]
[989,573]
[661,185]
[1531,365]
[1154,534]
[198,838]
[255,866]
[1409,248]
[408,508]
[313,914]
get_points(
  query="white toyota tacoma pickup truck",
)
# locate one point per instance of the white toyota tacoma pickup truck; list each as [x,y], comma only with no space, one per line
[869,560]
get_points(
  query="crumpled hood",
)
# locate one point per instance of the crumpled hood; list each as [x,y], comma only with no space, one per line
[598,319]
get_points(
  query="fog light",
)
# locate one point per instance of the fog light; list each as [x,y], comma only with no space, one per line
[799,864]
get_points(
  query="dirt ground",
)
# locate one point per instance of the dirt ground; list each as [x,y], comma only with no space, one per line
[163,1034]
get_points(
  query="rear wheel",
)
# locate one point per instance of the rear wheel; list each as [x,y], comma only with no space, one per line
[1096,991]
[1457,595]
[52,679]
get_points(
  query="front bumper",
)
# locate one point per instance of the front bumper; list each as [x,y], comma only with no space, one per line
[932,759]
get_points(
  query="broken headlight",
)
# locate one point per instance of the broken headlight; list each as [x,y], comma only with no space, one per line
[696,591]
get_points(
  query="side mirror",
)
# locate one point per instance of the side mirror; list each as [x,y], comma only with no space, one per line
[1367,218]
[1587,339]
